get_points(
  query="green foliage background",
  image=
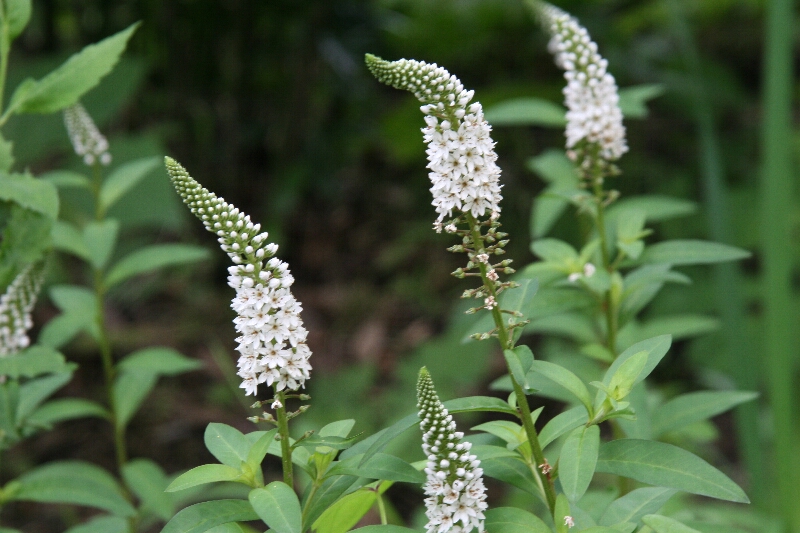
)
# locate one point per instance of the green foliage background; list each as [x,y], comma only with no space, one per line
[271,107]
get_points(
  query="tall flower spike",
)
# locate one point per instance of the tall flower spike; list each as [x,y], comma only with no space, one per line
[15,309]
[272,341]
[455,490]
[594,119]
[86,139]
[461,157]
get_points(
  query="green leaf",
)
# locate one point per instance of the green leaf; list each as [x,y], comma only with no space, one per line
[148,482]
[73,298]
[346,512]
[632,99]
[32,362]
[378,466]
[277,505]
[526,112]
[655,348]
[16,15]
[100,238]
[577,461]
[340,428]
[665,465]
[67,179]
[679,326]
[509,431]
[67,238]
[627,375]
[656,208]
[560,512]
[555,251]
[200,475]
[566,379]
[519,300]
[512,470]
[689,408]
[102,524]
[65,85]
[337,443]
[159,360]
[61,329]
[62,409]
[554,167]
[124,178]
[561,424]
[515,366]
[329,491]
[33,392]
[25,239]
[6,158]
[384,528]
[634,505]
[665,524]
[259,449]
[227,444]
[152,258]
[74,482]
[130,390]
[201,517]
[691,252]
[513,520]
[31,193]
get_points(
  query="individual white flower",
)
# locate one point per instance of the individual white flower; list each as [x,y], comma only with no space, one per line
[16,305]
[272,338]
[461,157]
[594,119]
[86,139]
[455,490]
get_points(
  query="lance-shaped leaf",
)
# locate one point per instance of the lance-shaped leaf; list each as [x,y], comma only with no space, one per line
[201,517]
[634,505]
[691,252]
[513,520]
[566,379]
[277,505]
[577,461]
[690,408]
[124,178]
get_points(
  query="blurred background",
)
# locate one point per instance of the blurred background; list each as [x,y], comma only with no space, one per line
[269,105]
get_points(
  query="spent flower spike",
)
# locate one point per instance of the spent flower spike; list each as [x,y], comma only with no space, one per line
[455,492]
[86,139]
[461,157]
[594,119]
[272,341]
[15,309]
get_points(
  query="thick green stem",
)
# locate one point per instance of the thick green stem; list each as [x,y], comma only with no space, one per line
[608,302]
[507,343]
[283,431]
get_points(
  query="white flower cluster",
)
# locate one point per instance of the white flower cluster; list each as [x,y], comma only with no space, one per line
[272,341]
[15,310]
[461,156]
[593,112]
[455,492]
[86,139]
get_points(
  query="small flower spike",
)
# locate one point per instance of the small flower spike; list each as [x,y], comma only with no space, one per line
[15,309]
[461,154]
[86,139]
[272,341]
[455,490]
[595,133]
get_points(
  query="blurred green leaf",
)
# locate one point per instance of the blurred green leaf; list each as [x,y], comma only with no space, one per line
[201,517]
[665,524]
[633,506]
[632,100]
[689,408]
[67,179]
[101,239]
[16,14]
[68,238]
[6,155]
[691,252]
[526,112]
[31,193]
[102,524]
[656,208]
[152,258]
[277,505]
[159,360]
[73,482]
[31,362]
[513,520]
[124,178]
[33,392]
[62,409]
[148,482]
[664,465]
[65,85]
[130,389]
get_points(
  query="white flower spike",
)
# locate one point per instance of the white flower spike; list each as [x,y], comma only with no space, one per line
[461,157]
[272,341]
[594,119]
[86,139]
[15,309]
[455,492]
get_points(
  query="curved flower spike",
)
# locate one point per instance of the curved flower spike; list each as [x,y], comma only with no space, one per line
[16,305]
[594,119]
[86,139]
[272,345]
[461,154]
[455,490]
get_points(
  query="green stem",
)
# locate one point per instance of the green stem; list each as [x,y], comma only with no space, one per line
[283,431]
[608,303]
[507,343]
[5,49]
[381,506]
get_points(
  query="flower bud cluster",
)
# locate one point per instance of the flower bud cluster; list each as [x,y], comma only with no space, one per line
[594,119]
[86,139]
[15,309]
[272,341]
[461,157]
[455,492]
